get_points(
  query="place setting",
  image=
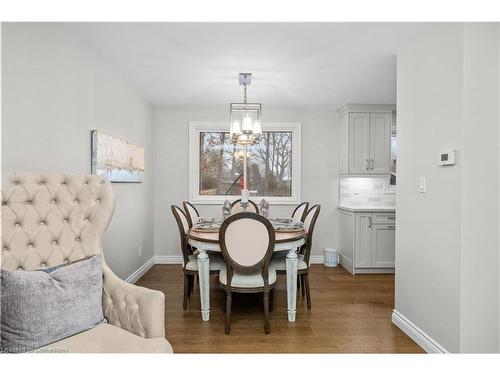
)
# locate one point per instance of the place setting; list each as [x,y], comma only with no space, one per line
[212,225]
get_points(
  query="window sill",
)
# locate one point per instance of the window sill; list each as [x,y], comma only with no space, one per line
[219,200]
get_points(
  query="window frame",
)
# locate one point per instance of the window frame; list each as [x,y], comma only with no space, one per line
[195,128]
[392,188]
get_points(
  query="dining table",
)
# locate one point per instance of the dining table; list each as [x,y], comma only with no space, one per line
[208,242]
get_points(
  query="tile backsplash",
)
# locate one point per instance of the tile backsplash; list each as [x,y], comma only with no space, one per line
[366,191]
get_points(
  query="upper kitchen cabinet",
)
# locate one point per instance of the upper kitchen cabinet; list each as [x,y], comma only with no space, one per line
[365,139]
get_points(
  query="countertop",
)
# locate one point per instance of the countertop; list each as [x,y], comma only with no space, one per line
[367,208]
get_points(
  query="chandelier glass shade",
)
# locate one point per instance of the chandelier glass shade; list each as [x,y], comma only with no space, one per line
[245,123]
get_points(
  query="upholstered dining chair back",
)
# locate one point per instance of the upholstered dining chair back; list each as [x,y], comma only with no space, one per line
[51,219]
[309,224]
[192,214]
[247,241]
[300,211]
[182,224]
[236,207]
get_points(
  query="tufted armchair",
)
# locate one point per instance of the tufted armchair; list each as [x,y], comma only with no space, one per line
[50,219]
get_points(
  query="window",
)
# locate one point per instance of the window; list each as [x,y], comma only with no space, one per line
[394,153]
[216,164]
[394,157]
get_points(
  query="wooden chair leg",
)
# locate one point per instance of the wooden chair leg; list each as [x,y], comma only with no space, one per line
[271,300]
[266,312]
[308,291]
[192,283]
[228,312]
[186,286]
[303,289]
[224,301]
[298,282]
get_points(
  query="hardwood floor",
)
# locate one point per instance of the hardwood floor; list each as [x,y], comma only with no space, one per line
[350,314]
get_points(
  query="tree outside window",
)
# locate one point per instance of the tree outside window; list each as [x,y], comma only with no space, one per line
[269,165]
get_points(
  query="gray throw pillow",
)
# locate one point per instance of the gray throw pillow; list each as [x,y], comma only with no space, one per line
[41,307]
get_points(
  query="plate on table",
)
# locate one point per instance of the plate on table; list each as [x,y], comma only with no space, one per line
[282,220]
[207,227]
[206,220]
[287,229]
[288,226]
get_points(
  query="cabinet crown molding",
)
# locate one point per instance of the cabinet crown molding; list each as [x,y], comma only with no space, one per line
[374,108]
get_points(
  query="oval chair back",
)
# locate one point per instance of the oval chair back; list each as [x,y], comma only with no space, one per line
[192,214]
[309,224]
[300,211]
[236,207]
[241,254]
[182,224]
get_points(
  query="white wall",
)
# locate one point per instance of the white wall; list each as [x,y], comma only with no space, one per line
[447,239]
[429,97]
[479,314]
[54,93]
[320,164]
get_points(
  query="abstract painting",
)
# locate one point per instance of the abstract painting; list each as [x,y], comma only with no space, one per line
[116,159]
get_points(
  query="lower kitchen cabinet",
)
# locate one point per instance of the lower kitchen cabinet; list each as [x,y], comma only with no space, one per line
[367,241]
[383,245]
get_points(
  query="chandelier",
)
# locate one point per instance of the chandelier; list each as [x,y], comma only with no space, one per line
[245,128]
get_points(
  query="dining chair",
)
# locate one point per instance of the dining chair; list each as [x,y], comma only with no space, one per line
[279,262]
[236,207]
[190,260]
[247,267]
[299,213]
[192,214]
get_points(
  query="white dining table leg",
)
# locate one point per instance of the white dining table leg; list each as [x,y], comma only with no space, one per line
[204,277]
[291,283]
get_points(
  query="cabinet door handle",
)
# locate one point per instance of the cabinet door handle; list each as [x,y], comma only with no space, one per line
[367,164]
[369,221]
[372,164]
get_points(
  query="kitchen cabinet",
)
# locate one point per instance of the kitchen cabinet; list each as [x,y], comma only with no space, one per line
[367,240]
[363,240]
[365,139]
[383,241]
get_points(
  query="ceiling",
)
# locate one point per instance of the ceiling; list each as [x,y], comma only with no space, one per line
[293,64]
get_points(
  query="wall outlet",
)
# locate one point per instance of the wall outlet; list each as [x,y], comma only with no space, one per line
[140,250]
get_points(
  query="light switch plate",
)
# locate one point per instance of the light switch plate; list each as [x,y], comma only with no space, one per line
[422,185]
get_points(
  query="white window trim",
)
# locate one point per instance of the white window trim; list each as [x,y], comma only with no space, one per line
[392,188]
[194,159]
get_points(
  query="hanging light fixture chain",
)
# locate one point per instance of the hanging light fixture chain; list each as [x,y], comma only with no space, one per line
[245,93]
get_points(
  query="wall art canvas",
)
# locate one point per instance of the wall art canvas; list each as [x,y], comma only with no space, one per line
[116,159]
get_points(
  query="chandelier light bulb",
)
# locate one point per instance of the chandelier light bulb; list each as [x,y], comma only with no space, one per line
[257,129]
[247,124]
[235,129]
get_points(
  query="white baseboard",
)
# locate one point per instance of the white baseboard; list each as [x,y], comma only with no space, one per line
[317,259]
[141,271]
[416,334]
[177,259]
[168,259]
